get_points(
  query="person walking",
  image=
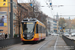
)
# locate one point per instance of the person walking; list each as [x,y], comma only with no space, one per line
[6,36]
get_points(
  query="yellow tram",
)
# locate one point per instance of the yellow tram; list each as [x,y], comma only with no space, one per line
[32,30]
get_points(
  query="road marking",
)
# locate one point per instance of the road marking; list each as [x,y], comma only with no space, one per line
[56,43]
[45,44]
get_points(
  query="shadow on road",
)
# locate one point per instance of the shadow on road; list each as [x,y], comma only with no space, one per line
[32,42]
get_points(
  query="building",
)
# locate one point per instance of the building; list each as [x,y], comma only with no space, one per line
[55,24]
[52,25]
[29,8]
[5,11]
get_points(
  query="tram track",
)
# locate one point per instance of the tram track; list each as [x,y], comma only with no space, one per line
[31,46]
[47,43]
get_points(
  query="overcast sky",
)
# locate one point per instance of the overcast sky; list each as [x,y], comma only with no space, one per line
[68,7]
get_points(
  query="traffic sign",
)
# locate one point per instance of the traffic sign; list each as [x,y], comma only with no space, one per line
[50,4]
[31,4]
[60,28]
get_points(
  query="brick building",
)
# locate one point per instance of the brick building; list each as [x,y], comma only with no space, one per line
[5,11]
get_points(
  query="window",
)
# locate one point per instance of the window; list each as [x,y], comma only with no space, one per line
[4,0]
[55,21]
[28,27]
[37,28]
[55,24]
[40,29]
[14,5]
[14,16]
[55,27]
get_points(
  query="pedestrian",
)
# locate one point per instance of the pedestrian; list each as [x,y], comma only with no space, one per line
[5,35]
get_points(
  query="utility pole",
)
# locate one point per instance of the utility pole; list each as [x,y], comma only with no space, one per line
[69,26]
[11,19]
[32,5]
[8,19]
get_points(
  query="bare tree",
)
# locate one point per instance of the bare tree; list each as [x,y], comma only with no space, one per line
[35,6]
[42,17]
[21,13]
[62,21]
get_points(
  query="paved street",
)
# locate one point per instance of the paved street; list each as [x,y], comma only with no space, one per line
[50,43]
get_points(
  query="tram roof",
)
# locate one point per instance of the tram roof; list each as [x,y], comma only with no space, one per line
[31,20]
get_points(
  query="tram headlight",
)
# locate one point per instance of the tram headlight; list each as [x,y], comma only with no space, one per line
[28,35]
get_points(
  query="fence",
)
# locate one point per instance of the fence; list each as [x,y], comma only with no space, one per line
[69,42]
[7,42]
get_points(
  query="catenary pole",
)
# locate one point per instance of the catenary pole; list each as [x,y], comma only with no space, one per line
[11,19]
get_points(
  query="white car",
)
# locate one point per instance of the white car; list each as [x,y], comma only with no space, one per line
[54,34]
[66,34]
[72,34]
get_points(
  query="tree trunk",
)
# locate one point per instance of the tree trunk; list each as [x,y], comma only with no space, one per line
[19,29]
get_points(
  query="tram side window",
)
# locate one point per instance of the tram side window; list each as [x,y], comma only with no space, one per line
[44,30]
[37,28]
[4,0]
[40,29]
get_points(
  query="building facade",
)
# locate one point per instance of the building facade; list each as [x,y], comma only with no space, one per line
[52,25]
[55,25]
[5,11]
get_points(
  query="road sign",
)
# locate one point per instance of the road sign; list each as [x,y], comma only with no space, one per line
[31,4]
[50,4]
[60,28]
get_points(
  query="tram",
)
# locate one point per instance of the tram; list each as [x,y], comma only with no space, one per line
[32,30]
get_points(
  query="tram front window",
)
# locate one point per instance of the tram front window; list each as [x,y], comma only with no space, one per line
[28,27]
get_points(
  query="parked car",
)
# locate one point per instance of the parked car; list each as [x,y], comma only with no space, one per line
[72,34]
[49,33]
[66,34]
[54,34]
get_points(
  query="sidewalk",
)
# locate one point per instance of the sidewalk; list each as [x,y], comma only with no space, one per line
[61,45]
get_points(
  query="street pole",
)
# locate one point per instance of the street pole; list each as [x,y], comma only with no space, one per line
[8,19]
[32,4]
[11,19]
[33,7]
[69,26]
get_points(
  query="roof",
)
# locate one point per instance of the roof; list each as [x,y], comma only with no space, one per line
[31,19]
